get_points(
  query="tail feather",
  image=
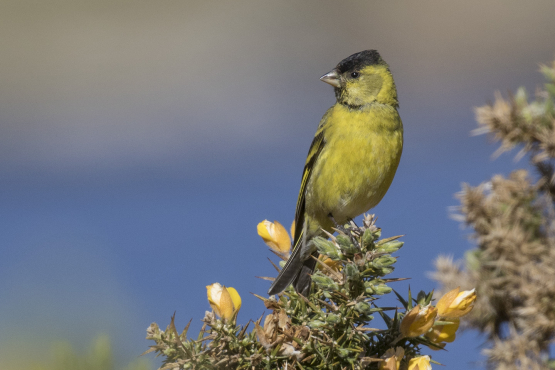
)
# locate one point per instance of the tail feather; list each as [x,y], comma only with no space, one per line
[303,280]
[296,270]
[289,272]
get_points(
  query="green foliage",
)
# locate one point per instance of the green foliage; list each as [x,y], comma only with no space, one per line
[328,329]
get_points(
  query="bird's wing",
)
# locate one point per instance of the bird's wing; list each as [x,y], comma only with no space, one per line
[313,153]
[295,263]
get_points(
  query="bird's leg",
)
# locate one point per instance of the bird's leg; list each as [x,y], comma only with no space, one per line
[345,231]
[337,226]
[352,221]
[355,228]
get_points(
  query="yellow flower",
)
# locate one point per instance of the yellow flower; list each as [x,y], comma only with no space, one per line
[455,303]
[420,363]
[225,302]
[444,333]
[334,265]
[275,236]
[392,359]
[418,321]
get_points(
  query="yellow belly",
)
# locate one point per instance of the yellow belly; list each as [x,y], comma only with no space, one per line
[357,164]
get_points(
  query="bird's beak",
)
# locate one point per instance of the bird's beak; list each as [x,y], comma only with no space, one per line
[332,78]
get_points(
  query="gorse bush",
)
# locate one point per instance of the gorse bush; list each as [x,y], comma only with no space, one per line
[332,327]
[513,219]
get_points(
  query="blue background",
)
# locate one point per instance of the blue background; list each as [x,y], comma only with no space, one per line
[142,141]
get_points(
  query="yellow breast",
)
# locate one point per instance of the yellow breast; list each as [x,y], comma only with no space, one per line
[357,164]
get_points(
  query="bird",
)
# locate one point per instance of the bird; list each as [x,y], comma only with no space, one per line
[351,162]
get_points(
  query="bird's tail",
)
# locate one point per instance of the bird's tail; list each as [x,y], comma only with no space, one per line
[296,271]
[289,272]
[303,279]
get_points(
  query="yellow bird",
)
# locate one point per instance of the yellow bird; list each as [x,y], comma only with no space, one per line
[351,161]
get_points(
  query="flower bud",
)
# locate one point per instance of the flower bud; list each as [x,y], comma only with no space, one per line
[314,324]
[384,271]
[346,245]
[324,282]
[420,363]
[455,303]
[370,236]
[275,236]
[225,302]
[351,271]
[342,352]
[364,308]
[327,248]
[333,318]
[384,261]
[334,265]
[443,333]
[382,289]
[418,321]
[392,359]
[390,247]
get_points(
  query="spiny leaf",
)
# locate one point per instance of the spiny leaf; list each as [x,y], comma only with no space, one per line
[185,330]
[401,299]
[265,278]
[409,305]
[151,349]
[393,280]
[273,264]
[385,318]
[259,297]
[177,339]
[429,297]
[242,332]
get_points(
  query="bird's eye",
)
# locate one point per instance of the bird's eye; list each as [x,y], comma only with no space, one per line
[354,74]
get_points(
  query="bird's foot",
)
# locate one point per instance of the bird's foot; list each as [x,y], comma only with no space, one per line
[345,231]
[352,222]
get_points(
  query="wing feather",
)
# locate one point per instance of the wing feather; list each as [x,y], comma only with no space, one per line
[316,147]
[295,263]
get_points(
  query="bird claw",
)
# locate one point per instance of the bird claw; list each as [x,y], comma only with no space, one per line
[345,230]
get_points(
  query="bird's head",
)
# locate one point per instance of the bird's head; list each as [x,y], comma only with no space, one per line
[361,79]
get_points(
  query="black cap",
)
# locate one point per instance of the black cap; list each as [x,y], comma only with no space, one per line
[359,60]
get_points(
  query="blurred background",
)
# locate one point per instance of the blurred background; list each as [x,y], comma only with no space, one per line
[142,141]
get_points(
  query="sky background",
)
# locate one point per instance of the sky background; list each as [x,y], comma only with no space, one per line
[142,141]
